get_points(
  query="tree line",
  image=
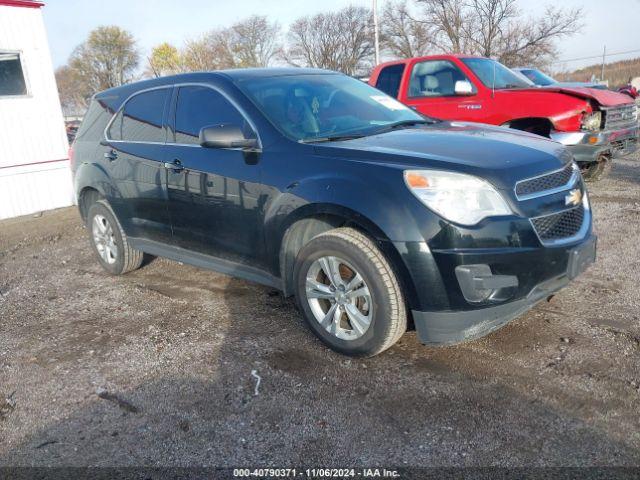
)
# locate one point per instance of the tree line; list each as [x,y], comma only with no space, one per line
[341,40]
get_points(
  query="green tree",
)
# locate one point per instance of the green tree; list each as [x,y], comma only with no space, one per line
[108,58]
[165,59]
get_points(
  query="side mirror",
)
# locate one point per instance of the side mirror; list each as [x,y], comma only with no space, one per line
[225,136]
[463,87]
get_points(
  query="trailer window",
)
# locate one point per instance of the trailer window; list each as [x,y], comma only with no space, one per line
[11,75]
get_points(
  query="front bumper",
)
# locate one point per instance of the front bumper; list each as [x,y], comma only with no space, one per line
[586,147]
[449,327]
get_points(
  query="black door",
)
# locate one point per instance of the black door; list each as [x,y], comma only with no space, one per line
[215,199]
[134,158]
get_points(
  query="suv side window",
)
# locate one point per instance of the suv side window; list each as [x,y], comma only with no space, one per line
[435,78]
[200,106]
[389,79]
[141,118]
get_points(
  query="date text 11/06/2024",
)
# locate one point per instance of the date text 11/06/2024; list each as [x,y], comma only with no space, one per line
[316,472]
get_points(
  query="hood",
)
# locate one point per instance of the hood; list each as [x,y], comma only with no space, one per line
[603,97]
[500,155]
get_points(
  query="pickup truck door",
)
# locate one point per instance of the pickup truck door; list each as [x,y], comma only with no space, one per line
[429,88]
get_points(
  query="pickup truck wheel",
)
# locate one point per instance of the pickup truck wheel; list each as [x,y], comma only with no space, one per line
[594,171]
[349,294]
[110,242]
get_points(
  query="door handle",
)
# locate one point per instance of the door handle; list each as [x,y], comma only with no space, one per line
[111,155]
[176,166]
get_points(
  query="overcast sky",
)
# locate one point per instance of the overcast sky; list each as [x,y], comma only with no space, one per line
[614,22]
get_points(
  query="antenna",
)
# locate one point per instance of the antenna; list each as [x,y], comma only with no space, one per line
[375,32]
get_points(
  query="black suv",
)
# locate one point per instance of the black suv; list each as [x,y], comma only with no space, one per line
[319,185]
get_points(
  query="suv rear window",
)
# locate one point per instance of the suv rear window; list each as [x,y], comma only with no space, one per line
[141,118]
[389,79]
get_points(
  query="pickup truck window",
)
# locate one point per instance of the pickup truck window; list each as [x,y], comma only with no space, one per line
[493,74]
[389,79]
[317,106]
[434,78]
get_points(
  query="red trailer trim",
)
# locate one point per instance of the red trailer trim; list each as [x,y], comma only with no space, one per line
[21,3]
[35,163]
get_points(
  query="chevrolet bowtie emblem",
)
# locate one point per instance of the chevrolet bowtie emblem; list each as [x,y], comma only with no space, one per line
[574,197]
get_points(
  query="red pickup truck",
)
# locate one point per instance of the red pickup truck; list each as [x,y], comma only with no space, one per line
[596,125]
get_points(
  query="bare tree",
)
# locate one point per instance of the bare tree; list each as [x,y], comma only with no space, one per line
[341,40]
[108,58]
[402,35]
[209,52]
[497,28]
[533,42]
[73,92]
[450,21]
[251,42]
[254,41]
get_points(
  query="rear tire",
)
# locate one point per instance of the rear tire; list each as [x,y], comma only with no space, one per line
[109,241]
[348,293]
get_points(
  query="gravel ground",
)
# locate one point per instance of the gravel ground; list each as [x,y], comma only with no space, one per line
[160,367]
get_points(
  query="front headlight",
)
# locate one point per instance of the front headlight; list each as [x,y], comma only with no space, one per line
[592,121]
[461,198]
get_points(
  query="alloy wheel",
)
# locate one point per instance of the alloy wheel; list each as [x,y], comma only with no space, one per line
[104,239]
[339,298]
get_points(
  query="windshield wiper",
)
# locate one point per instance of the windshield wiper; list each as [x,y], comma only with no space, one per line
[331,138]
[403,123]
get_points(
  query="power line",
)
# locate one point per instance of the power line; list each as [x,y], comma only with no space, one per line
[596,56]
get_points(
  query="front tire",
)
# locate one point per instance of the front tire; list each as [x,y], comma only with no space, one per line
[109,241]
[348,293]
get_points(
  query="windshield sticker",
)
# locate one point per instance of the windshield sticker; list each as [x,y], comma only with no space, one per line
[388,102]
[315,105]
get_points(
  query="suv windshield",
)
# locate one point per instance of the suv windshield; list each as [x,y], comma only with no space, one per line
[537,77]
[493,74]
[314,107]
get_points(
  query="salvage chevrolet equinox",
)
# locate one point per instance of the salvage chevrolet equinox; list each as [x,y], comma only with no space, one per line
[375,217]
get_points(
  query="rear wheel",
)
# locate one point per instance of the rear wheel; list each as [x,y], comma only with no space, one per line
[348,293]
[109,241]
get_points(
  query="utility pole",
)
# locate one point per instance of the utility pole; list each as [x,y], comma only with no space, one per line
[604,54]
[376,35]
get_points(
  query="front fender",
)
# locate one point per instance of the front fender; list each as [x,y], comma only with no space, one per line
[383,212]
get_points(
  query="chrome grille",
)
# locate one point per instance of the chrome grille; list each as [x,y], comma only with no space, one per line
[545,184]
[623,116]
[561,225]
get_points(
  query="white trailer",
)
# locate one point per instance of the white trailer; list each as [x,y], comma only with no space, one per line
[34,164]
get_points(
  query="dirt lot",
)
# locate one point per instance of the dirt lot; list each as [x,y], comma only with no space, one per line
[155,368]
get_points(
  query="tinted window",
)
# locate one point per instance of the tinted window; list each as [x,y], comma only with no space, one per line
[537,77]
[494,74]
[200,107]
[307,107]
[94,122]
[11,75]
[435,78]
[389,79]
[141,118]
